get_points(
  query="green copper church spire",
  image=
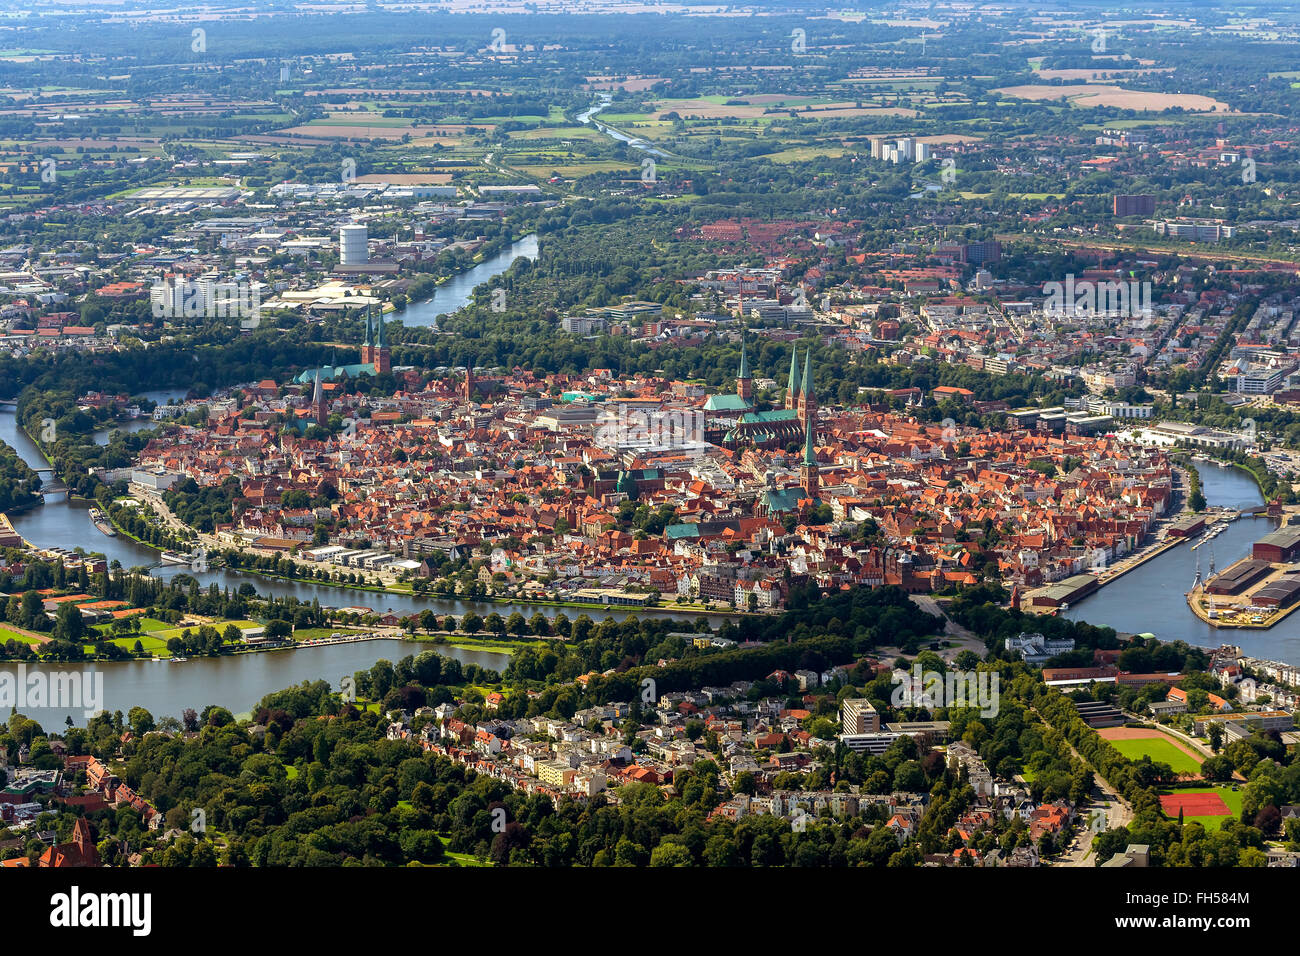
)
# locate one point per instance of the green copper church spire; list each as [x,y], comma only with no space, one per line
[744,363]
[807,373]
[793,388]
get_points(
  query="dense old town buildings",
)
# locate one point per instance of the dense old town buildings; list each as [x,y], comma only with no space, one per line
[593,489]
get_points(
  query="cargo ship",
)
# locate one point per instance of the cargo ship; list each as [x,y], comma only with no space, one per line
[102,523]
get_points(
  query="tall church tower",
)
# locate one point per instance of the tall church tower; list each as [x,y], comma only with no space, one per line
[744,384]
[469,382]
[792,387]
[367,346]
[381,357]
[809,472]
[318,402]
[807,400]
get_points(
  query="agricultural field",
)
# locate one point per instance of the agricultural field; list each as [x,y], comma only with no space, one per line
[1087,95]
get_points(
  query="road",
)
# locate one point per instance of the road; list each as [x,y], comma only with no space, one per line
[1103,797]
[960,637]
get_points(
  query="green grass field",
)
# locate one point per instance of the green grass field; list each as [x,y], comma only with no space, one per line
[315,633]
[1160,751]
[9,634]
[151,645]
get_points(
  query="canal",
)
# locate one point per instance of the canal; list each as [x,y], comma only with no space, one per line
[1152,598]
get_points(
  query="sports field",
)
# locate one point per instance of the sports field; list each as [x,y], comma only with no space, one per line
[1136,743]
[1208,806]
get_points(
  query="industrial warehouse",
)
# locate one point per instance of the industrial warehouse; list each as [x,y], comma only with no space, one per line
[1255,592]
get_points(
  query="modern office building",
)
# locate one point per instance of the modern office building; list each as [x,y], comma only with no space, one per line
[858,716]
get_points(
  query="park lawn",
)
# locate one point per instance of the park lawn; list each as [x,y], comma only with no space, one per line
[315,633]
[1031,196]
[151,645]
[9,634]
[463,859]
[1160,751]
[171,632]
[502,646]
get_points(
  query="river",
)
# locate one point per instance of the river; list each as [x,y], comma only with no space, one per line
[240,681]
[1151,599]
[458,291]
[160,397]
[66,524]
[236,683]
[589,116]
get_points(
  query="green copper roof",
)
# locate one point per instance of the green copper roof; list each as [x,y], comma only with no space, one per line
[330,373]
[744,363]
[776,415]
[793,385]
[787,499]
[726,403]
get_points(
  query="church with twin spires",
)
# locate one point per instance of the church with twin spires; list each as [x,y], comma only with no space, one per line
[732,421]
[375,357]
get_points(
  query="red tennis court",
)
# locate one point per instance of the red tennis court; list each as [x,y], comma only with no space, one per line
[1194,805]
